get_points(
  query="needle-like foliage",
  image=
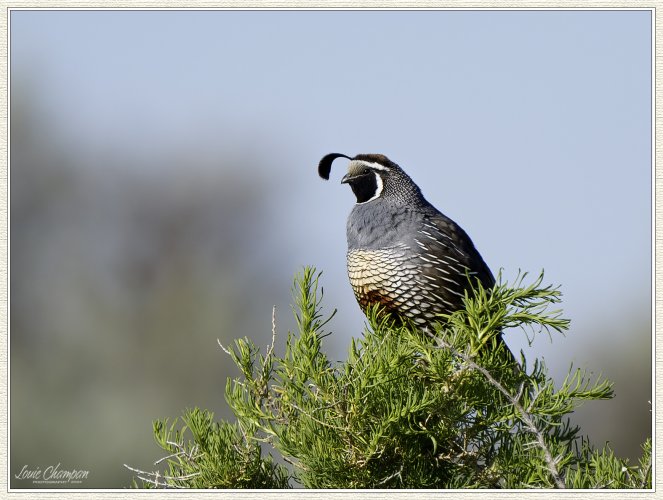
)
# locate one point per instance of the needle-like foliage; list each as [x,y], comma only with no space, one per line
[449,408]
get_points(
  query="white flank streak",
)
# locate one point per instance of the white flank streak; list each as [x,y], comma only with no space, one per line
[441,299]
[449,280]
[450,257]
[442,270]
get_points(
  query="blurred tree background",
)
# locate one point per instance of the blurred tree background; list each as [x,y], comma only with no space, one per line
[121,284]
[163,193]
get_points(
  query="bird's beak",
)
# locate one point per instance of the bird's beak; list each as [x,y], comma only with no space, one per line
[349,177]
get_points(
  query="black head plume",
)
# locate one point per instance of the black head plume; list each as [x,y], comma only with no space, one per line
[324,167]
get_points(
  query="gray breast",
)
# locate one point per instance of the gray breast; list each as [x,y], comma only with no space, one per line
[379,224]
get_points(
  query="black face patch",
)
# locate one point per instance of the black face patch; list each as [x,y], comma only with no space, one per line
[364,186]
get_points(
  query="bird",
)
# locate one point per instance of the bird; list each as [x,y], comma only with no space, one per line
[403,253]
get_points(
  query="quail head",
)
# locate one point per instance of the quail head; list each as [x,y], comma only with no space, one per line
[403,253]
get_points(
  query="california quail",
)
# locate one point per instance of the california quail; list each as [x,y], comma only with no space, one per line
[402,252]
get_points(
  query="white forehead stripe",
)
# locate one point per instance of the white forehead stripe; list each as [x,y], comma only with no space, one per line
[373,165]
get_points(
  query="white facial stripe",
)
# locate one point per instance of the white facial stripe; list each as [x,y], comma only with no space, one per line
[378,189]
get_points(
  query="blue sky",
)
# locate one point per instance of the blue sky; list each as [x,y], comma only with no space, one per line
[531,129]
